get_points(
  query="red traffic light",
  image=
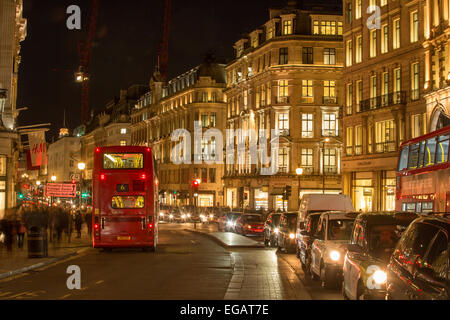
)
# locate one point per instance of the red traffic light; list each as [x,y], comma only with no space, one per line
[195,183]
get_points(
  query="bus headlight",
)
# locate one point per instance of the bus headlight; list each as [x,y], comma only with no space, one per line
[335,255]
[380,277]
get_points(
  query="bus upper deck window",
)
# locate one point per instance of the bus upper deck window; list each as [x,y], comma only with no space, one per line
[442,149]
[403,161]
[413,158]
[430,152]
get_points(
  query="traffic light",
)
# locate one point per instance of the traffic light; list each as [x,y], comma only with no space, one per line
[84,195]
[20,195]
[287,192]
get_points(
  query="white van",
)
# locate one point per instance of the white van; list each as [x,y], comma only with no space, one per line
[324,202]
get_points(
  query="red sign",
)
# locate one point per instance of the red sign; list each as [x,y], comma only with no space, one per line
[62,190]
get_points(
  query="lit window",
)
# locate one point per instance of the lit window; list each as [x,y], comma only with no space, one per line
[358,57]
[307,125]
[373,43]
[384,38]
[329,125]
[349,137]
[396,37]
[414,27]
[316,27]
[349,52]
[415,81]
[357,9]
[287,27]
[307,158]
[349,98]
[307,91]
[123,143]
[329,56]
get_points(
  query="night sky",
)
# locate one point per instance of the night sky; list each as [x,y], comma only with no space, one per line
[125,49]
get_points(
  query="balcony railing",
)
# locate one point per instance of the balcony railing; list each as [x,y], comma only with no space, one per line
[280,100]
[282,169]
[385,147]
[330,169]
[415,94]
[349,150]
[387,100]
[308,170]
[358,150]
[283,132]
[329,133]
[329,100]
[307,100]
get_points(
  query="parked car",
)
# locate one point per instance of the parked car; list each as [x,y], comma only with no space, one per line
[328,250]
[419,267]
[286,237]
[271,228]
[250,225]
[324,202]
[373,240]
[227,222]
[305,237]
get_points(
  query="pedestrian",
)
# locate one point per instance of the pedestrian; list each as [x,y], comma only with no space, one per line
[88,219]
[20,228]
[78,223]
[8,230]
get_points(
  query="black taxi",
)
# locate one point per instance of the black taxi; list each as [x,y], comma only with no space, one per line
[373,240]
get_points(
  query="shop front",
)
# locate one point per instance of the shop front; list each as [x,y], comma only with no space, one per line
[231,197]
[262,198]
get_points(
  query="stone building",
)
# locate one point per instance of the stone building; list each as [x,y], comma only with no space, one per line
[13,30]
[194,96]
[63,156]
[286,76]
[385,77]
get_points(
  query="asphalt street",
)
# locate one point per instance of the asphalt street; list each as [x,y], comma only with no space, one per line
[186,266]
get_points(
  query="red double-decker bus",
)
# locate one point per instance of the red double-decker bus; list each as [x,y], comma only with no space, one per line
[423,175]
[125,198]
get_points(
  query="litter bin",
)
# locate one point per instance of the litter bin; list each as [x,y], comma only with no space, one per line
[37,243]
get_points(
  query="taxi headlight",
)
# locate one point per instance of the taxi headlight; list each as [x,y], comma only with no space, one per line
[276,230]
[335,255]
[292,236]
[183,216]
[188,215]
[380,277]
[230,223]
[171,216]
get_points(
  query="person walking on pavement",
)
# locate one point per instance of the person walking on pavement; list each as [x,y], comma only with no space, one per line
[78,223]
[88,219]
[20,228]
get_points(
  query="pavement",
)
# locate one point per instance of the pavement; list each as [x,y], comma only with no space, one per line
[186,266]
[17,261]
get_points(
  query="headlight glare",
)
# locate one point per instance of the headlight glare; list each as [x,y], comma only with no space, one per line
[335,255]
[380,276]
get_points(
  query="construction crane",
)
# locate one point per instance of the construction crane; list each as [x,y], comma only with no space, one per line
[84,51]
[163,50]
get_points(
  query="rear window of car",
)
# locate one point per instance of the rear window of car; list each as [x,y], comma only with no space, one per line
[252,218]
[340,229]
[382,240]
[292,220]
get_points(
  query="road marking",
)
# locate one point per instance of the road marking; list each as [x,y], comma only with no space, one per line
[64,297]
[99,282]
[4,294]
[18,295]
[194,241]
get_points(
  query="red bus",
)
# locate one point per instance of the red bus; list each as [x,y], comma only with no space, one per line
[125,198]
[423,175]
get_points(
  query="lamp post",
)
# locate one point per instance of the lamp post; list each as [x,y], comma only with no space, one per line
[53,178]
[81,167]
[326,140]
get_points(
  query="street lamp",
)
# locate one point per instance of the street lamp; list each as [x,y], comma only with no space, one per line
[53,178]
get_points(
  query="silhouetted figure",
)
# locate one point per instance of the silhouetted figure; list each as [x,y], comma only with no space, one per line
[78,223]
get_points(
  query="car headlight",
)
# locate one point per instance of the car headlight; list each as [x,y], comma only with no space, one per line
[335,255]
[211,216]
[292,236]
[276,230]
[229,223]
[188,215]
[171,216]
[183,216]
[380,277]
[161,214]
[249,226]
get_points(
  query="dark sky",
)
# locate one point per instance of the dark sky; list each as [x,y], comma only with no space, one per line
[124,51]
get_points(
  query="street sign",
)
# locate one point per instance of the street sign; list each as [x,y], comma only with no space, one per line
[62,190]
[75,176]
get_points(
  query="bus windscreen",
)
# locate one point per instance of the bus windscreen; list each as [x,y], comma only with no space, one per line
[123,161]
[127,202]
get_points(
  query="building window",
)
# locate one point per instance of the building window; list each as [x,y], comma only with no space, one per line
[283,160]
[329,56]
[385,89]
[123,131]
[329,91]
[287,27]
[415,81]
[328,27]
[358,95]
[414,26]
[385,136]
[330,161]
[383,2]
[384,38]
[373,43]
[245,99]
[358,57]
[269,34]
[283,124]
[349,140]
[358,140]
[204,175]
[373,92]
[397,85]
[329,125]
[348,53]
[283,89]
[255,41]
[123,143]
[349,98]
[205,123]
[307,125]
[357,9]
[307,91]
[307,55]
[416,125]
[316,27]
[2,166]
[283,56]
[307,159]
[212,175]
[340,28]
[349,14]
[396,37]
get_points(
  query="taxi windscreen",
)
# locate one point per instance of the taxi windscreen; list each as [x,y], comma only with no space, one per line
[340,229]
[123,161]
[127,202]
[383,239]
